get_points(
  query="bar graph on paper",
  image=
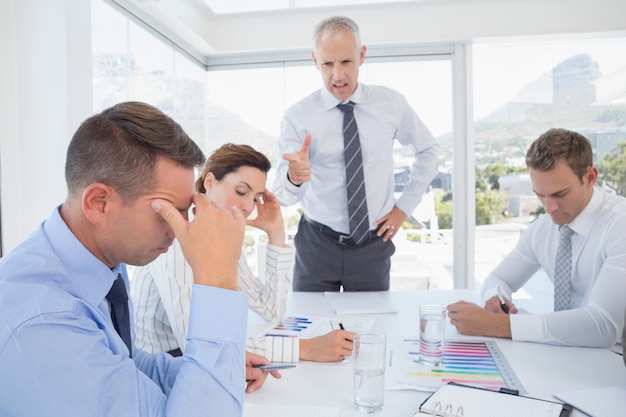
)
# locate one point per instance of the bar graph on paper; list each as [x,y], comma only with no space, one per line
[479,363]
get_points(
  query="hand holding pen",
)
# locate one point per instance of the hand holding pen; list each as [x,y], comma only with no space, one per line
[503,304]
[333,346]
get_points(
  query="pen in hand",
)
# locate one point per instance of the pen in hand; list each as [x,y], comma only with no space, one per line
[503,305]
[275,367]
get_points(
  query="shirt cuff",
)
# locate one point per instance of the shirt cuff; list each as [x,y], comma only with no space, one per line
[283,349]
[527,327]
[277,255]
[210,303]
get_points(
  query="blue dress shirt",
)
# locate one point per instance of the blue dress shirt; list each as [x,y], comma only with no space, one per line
[383,116]
[61,356]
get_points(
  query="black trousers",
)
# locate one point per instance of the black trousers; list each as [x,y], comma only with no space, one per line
[324,264]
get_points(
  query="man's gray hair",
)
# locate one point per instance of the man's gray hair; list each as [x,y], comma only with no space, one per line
[337,24]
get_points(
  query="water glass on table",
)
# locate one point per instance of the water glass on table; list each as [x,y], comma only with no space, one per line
[369,372]
[432,332]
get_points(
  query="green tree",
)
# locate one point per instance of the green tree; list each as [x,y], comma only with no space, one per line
[488,178]
[613,169]
[489,206]
[443,208]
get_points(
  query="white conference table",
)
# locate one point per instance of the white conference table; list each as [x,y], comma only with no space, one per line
[541,369]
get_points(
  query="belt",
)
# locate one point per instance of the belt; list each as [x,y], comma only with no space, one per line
[339,237]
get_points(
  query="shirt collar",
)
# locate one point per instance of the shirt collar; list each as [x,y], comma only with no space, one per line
[329,101]
[86,276]
[583,223]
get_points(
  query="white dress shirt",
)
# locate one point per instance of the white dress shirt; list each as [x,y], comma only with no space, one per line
[598,295]
[161,293]
[382,115]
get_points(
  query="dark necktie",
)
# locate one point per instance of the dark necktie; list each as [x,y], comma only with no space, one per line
[355,181]
[563,270]
[120,314]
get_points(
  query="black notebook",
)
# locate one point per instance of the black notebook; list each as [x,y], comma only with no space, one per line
[455,400]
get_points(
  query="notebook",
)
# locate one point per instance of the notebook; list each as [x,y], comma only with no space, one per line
[597,402]
[359,302]
[455,400]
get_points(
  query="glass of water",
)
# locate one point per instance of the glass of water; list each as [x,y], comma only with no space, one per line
[369,372]
[432,332]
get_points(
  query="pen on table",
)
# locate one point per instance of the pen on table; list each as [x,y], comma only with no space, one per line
[503,305]
[275,366]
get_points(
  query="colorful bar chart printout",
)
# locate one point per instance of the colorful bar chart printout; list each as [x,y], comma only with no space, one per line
[478,363]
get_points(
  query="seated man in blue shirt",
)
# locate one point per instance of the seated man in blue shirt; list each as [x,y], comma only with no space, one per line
[130,182]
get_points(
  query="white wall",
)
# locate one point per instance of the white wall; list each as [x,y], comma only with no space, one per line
[45,81]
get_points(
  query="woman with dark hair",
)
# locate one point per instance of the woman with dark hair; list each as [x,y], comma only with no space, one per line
[234,175]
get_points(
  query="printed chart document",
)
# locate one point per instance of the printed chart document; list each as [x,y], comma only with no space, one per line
[277,410]
[309,327]
[597,402]
[359,302]
[479,363]
[460,400]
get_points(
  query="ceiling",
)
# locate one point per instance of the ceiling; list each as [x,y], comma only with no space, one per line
[239,6]
[206,29]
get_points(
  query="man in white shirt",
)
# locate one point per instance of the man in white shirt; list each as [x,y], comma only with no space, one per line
[337,248]
[563,178]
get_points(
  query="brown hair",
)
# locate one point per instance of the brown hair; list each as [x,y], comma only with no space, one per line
[229,158]
[557,144]
[120,146]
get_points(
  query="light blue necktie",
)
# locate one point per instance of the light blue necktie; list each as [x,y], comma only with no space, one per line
[563,270]
[355,181]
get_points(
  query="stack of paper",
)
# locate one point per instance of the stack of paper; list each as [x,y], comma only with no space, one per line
[597,402]
[349,303]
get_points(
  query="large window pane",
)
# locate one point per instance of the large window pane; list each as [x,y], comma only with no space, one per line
[246,106]
[522,90]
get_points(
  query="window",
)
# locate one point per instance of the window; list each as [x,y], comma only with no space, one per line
[246,106]
[521,90]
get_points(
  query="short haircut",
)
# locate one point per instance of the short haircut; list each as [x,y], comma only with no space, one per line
[334,25]
[120,147]
[556,144]
[229,158]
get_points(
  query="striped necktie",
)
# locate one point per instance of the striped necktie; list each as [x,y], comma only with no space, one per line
[563,270]
[357,202]
[120,313]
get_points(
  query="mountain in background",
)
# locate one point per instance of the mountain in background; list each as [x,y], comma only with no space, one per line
[563,97]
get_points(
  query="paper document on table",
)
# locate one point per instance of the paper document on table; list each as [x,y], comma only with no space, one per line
[278,410]
[479,363]
[596,402]
[307,327]
[359,302]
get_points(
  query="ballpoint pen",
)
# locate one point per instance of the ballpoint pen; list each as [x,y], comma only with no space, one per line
[503,305]
[275,367]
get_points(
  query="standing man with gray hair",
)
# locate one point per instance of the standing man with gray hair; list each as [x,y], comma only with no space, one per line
[337,148]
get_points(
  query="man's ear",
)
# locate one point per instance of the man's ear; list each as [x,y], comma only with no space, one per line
[97,200]
[591,176]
